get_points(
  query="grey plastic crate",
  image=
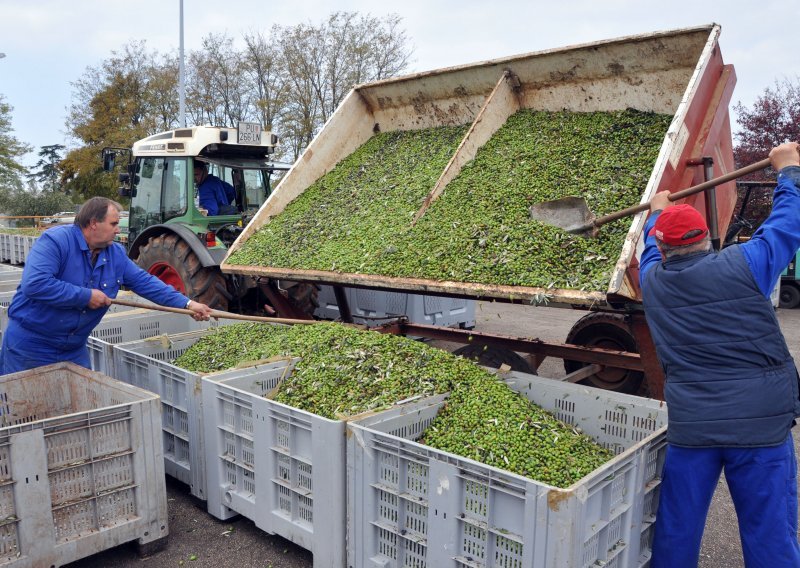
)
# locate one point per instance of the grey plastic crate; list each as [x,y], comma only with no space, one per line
[80,467]
[6,244]
[134,325]
[281,467]
[20,247]
[374,307]
[412,505]
[146,364]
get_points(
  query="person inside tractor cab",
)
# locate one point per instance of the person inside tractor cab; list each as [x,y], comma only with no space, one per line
[214,194]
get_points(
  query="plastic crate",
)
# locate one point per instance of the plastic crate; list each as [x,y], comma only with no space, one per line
[374,307]
[18,252]
[134,325]
[80,466]
[412,505]
[279,466]
[146,364]
[6,243]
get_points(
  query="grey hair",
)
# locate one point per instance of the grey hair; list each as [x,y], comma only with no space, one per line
[95,209]
[677,250]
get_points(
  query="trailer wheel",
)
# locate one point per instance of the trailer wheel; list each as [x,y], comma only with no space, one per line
[304,296]
[789,297]
[172,261]
[607,331]
[493,356]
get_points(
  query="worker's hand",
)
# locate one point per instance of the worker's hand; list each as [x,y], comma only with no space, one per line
[787,154]
[98,300]
[200,312]
[660,201]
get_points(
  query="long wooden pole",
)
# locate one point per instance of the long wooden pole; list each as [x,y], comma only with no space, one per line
[214,313]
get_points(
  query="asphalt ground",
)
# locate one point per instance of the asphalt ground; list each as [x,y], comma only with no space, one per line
[198,540]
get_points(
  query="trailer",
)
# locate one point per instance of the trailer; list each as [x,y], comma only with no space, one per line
[677,72]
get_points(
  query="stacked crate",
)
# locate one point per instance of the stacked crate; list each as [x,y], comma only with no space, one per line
[412,505]
[80,466]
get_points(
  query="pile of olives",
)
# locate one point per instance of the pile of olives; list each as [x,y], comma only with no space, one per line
[345,371]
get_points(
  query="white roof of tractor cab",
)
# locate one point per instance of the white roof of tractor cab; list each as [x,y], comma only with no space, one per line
[247,140]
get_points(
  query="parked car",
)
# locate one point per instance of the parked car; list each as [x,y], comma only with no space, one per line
[60,218]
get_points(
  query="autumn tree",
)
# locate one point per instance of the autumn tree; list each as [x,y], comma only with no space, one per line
[114,104]
[774,118]
[11,149]
[290,81]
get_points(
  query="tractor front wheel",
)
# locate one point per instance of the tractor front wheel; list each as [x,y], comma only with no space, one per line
[173,261]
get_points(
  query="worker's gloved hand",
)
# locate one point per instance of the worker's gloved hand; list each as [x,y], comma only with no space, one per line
[200,312]
[660,201]
[787,154]
[98,300]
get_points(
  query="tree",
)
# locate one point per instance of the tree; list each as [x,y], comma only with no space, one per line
[265,70]
[325,61]
[773,119]
[47,171]
[291,81]
[215,92]
[115,104]
[11,149]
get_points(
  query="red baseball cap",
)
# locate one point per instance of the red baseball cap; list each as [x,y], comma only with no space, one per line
[680,225]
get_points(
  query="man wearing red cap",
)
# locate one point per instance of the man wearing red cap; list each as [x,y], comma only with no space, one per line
[731,385]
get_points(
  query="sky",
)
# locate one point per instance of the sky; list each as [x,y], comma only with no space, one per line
[49,44]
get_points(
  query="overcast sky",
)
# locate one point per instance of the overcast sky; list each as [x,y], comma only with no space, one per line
[49,43]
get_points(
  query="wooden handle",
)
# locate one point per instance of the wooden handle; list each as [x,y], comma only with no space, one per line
[760,165]
[214,313]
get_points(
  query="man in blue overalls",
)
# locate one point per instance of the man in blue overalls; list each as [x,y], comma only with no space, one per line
[731,384]
[70,276]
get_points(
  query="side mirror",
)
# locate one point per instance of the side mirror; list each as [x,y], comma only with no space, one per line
[109,159]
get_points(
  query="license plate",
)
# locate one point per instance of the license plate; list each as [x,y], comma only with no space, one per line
[249,133]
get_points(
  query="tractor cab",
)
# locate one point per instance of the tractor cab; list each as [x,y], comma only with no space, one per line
[168,233]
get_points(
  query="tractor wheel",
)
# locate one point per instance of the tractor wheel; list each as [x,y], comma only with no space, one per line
[789,297]
[606,331]
[169,258]
[493,357]
[304,296]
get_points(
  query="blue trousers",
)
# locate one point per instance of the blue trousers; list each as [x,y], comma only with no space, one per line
[763,486]
[23,350]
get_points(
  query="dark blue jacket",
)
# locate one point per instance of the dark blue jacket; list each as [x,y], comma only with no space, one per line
[730,380]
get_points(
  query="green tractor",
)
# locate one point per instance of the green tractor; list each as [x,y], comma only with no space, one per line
[170,236]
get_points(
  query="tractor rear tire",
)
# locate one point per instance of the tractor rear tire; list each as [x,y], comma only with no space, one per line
[174,262]
[606,331]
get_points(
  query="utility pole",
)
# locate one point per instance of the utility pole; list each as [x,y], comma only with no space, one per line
[181,76]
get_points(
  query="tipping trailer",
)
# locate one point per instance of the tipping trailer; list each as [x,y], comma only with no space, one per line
[679,72]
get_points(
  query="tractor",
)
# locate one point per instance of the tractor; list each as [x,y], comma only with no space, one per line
[171,237]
